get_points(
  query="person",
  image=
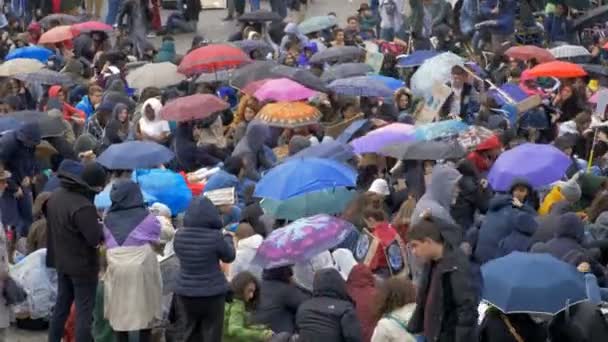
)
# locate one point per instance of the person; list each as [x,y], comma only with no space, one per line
[557,24]
[151,127]
[368,22]
[5,308]
[447,275]
[463,101]
[252,149]
[361,287]
[246,111]
[428,19]
[502,26]
[70,113]
[190,155]
[132,281]
[330,314]
[473,196]
[440,194]
[246,295]
[247,243]
[74,233]
[391,19]
[394,307]
[521,236]
[97,123]
[339,38]
[90,101]
[485,154]
[499,327]
[201,287]
[120,128]
[37,235]
[166,53]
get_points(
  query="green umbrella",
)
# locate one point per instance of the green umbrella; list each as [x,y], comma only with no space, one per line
[316,24]
[329,201]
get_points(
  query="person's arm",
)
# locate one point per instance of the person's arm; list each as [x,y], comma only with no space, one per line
[294,298]
[351,328]
[239,330]
[465,304]
[225,249]
[87,223]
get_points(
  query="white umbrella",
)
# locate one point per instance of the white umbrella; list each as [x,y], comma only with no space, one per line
[159,75]
[434,70]
[20,66]
[569,51]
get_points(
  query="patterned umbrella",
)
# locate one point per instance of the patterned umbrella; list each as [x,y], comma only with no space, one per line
[193,107]
[91,26]
[250,45]
[45,76]
[34,52]
[345,70]
[527,52]
[569,51]
[283,89]
[440,130]
[57,34]
[361,86]
[289,114]
[19,66]
[212,58]
[339,54]
[315,24]
[159,75]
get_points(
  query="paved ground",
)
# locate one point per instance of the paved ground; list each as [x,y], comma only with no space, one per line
[213,28]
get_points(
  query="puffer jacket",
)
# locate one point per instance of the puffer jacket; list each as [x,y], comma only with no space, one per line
[520,239]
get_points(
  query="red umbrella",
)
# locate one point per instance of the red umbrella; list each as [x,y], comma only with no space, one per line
[58,34]
[91,26]
[188,108]
[213,58]
[527,52]
[557,69]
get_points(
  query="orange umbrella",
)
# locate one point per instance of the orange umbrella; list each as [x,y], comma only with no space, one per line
[289,114]
[527,52]
[557,69]
[57,34]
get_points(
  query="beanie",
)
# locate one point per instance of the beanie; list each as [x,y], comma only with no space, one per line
[380,187]
[94,175]
[570,190]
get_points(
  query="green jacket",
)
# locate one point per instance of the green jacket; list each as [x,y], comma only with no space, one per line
[236,328]
[166,53]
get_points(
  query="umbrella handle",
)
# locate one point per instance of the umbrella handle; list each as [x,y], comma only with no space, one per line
[492,85]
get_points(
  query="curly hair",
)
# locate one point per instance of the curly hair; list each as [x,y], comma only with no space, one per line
[393,294]
[239,283]
[246,102]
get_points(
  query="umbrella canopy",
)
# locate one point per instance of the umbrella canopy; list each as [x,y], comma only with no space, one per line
[528,52]
[258,70]
[345,70]
[390,82]
[289,114]
[299,176]
[133,155]
[316,24]
[34,52]
[63,19]
[45,76]
[328,201]
[283,89]
[361,86]
[557,69]
[377,139]
[159,75]
[434,70]
[333,150]
[302,76]
[569,51]
[57,34]
[218,76]
[193,107]
[595,69]
[213,58]
[301,240]
[415,59]
[424,150]
[252,87]
[595,15]
[439,130]
[260,16]
[91,26]
[19,66]
[521,282]
[352,129]
[337,54]
[513,90]
[50,126]
[250,45]
[549,165]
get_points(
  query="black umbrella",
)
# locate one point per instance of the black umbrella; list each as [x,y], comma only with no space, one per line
[252,72]
[598,14]
[45,76]
[260,16]
[345,70]
[337,54]
[50,126]
[250,45]
[595,69]
[301,76]
[63,19]
[425,150]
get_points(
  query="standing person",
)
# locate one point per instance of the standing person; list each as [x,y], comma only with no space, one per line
[5,312]
[113,8]
[201,286]
[93,8]
[231,6]
[191,14]
[447,299]
[391,19]
[132,281]
[440,194]
[395,304]
[279,6]
[74,233]
[463,101]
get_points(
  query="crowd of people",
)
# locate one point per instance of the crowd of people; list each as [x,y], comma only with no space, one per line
[425,132]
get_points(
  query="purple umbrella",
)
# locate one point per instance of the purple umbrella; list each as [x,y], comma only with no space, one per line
[301,240]
[283,89]
[538,164]
[375,140]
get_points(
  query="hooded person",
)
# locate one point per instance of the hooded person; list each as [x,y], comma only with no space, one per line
[84,47]
[292,32]
[116,92]
[246,247]
[252,149]
[520,239]
[304,272]
[344,261]
[485,154]
[35,31]
[229,176]
[132,281]
[361,287]
[597,236]
[591,185]
[36,238]
[297,143]
[473,196]
[151,126]
[330,314]
[70,113]
[120,128]
[440,194]
[191,156]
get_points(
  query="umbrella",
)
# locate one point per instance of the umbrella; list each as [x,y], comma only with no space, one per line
[133,155]
[34,52]
[527,52]
[9,124]
[473,136]
[283,89]
[218,76]
[434,70]
[289,114]
[252,87]
[315,24]
[361,86]
[345,70]
[538,164]
[578,4]
[159,75]
[337,54]
[250,45]
[57,34]
[375,140]
[19,66]
[260,16]
[352,129]
[212,58]
[390,82]
[513,90]
[91,26]
[64,19]
[424,150]
[595,69]
[334,150]
[439,130]
[328,201]
[532,283]
[595,15]
[50,126]
[188,108]
[301,240]
[569,51]
[258,70]
[302,76]
[299,176]
[45,76]
[557,69]
[415,59]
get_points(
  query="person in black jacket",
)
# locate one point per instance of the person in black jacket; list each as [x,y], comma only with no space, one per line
[474,195]
[192,157]
[330,315]
[74,233]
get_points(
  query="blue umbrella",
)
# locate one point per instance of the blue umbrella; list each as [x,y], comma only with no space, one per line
[532,283]
[103,201]
[390,82]
[513,90]
[328,201]
[33,52]
[361,86]
[133,155]
[300,176]
[334,150]
[415,59]
[352,129]
[438,130]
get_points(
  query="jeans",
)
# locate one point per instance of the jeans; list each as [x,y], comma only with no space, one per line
[255,5]
[113,7]
[595,293]
[80,290]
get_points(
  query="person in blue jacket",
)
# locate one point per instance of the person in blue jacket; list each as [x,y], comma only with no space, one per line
[502,12]
[557,25]
[90,101]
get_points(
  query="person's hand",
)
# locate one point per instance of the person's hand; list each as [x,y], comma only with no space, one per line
[584,267]
[516,202]
[26,182]
[268,335]
[18,193]
[484,183]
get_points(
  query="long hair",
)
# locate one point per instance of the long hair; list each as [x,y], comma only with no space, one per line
[245,102]
[239,283]
[598,206]
[393,294]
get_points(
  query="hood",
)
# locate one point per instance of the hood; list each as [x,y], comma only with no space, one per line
[521,181]
[75,183]
[117,85]
[602,220]
[344,261]
[292,28]
[443,182]
[198,40]
[40,203]
[156,105]
[329,283]
[361,276]
[524,223]
[570,226]
[256,135]
[202,214]
[591,184]
[252,242]
[117,109]
[126,194]
[54,91]
[560,207]
[29,134]
[489,144]
[34,27]
[83,46]
[85,142]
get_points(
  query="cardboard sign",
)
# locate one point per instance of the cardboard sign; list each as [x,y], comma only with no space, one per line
[366,247]
[225,196]
[433,104]
[602,102]
[528,103]
[375,60]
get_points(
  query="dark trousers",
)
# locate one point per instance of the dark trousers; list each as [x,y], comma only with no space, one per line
[279,6]
[80,290]
[203,318]
[144,336]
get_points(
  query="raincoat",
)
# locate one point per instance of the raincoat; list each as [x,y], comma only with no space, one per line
[439,194]
[236,328]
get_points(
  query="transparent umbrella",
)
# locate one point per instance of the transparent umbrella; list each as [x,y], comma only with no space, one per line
[434,70]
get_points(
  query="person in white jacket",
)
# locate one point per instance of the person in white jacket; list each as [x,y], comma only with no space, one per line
[247,243]
[396,303]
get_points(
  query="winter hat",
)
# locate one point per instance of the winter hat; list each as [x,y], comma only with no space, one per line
[380,187]
[84,143]
[570,190]
[160,209]
[297,144]
[94,175]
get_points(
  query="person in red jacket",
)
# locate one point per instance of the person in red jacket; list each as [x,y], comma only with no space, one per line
[70,113]
[485,154]
[385,234]
[361,287]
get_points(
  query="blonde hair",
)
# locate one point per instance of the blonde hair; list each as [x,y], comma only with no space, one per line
[245,102]
[405,212]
